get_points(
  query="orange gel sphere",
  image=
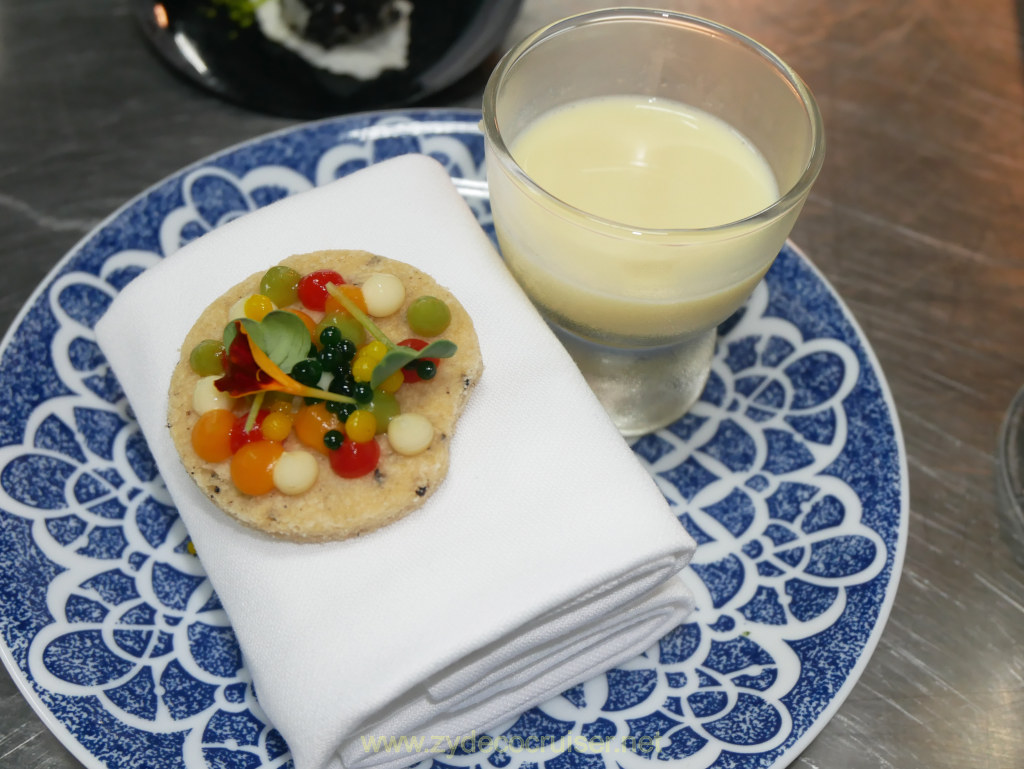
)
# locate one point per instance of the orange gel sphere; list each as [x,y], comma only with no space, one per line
[312,423]
[211,435]
[252,468]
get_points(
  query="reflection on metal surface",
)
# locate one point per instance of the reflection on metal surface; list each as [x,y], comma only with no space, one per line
[918,221]
[1010,475]
[190,53]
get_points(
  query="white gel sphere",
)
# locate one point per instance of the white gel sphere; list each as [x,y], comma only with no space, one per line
[384,294]
[237,310]
[410,434]
[206,396]
[295,472]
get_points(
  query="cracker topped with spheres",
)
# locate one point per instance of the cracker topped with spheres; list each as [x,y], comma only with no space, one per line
[316,400]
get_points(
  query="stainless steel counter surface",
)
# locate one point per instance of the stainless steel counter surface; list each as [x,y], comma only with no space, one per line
[917,220]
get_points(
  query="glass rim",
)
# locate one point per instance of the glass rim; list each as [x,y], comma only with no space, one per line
[780,206]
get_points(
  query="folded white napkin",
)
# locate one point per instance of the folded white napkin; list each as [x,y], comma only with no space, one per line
[546,557]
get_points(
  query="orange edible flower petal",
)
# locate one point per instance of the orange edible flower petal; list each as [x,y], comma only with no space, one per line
[249,370]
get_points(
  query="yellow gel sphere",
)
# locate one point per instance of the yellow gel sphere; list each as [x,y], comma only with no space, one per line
[361,426]
[258,307]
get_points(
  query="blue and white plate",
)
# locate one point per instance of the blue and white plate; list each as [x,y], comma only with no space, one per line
[790,473]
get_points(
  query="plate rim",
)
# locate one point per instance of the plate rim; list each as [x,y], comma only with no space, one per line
[901,532]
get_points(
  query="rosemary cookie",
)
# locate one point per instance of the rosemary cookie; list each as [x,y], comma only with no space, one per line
[316,401]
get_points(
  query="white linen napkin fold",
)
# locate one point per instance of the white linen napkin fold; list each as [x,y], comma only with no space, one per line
[547,556]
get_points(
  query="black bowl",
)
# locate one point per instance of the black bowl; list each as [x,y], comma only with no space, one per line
[223,46]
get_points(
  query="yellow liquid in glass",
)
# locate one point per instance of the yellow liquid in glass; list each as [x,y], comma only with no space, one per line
[647,163]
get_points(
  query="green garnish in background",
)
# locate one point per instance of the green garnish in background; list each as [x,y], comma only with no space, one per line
[241,12]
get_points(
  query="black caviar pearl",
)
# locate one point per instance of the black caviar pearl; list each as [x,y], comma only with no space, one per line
[333,439]
[343,383]
[330,23]
[331,357]
[362,392]
[307,372]
[348,349]
[426,369]
[330,336]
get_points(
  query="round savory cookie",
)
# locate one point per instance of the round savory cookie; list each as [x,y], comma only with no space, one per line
[337,507]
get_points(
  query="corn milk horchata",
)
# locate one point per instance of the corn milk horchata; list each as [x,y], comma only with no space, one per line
[647,162]
[649,172]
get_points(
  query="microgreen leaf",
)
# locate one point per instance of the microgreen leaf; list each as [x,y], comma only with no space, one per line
[439,348]
[397,355]
[400,356]
[282,336]
[391,363]
[230,332]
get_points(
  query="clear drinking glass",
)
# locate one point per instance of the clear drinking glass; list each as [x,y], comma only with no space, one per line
[638,306]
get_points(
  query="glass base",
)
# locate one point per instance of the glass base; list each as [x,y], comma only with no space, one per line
[644,389]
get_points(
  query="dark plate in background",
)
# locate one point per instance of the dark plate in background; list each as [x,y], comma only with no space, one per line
[219,45]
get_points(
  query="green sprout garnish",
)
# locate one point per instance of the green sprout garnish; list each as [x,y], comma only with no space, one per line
[397,355]
[259,355]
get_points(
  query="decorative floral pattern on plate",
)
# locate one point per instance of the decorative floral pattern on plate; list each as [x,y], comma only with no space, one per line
[789,473]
